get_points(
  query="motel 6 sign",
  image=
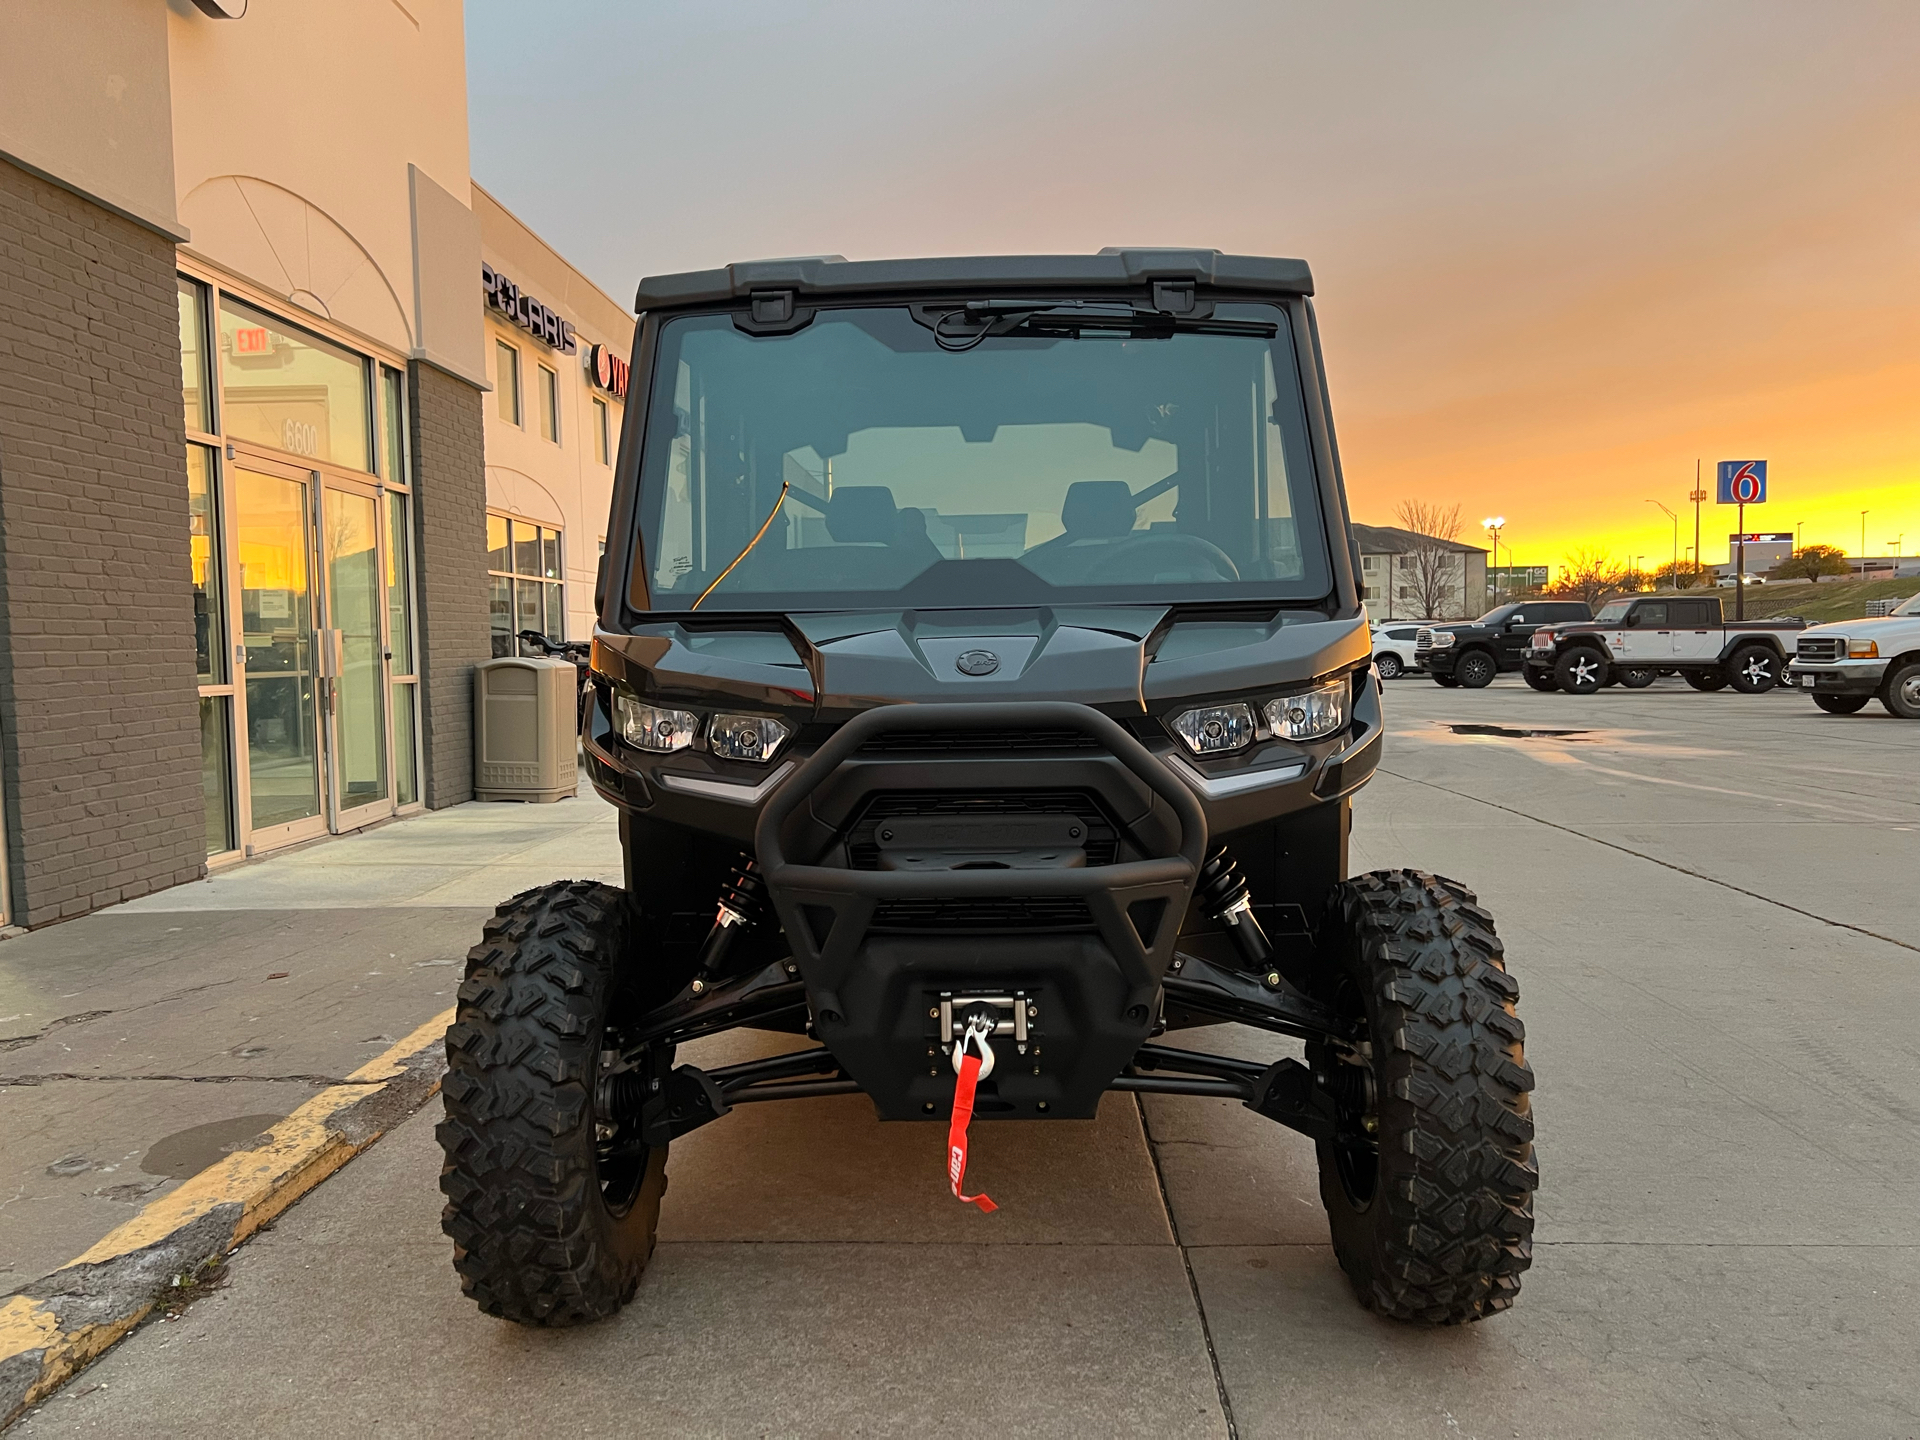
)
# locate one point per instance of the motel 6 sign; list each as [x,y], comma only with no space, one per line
[1743,482]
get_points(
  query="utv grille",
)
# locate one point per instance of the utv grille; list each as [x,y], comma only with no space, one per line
[1103,837]
[1013,912]
[1825,648]
[976,742]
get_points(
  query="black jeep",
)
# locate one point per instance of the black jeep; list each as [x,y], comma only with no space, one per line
[1472,652]
[981,679]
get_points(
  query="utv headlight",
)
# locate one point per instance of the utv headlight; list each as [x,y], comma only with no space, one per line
[1320,711]
[745,737]
[1216,729]
[651,728]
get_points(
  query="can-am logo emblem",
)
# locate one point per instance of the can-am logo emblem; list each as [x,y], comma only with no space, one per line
[977,662]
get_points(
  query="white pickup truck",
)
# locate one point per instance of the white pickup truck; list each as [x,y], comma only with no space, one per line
[1631,641]
[1849,662]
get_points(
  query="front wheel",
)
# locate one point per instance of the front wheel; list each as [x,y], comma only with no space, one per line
[1541,679]
[1429,1177]
[1388,664]
[1476,669]
[1706,680]
[1581,672]
[1901,694]
[1638,677]
[1842,704]
[1447,682]
[551,1204]
[1753,670]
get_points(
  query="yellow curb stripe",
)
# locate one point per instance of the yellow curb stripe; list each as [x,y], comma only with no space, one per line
[25,1325]
[301,1151]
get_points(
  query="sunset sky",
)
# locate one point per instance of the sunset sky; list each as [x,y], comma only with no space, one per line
[1561,251]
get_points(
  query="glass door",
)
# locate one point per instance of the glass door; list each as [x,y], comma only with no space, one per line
[354,693]
[273,532]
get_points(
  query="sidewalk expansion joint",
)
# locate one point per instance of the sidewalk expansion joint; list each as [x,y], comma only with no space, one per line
[54,1327]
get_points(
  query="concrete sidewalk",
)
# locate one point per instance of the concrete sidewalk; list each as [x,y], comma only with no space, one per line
[141,1043]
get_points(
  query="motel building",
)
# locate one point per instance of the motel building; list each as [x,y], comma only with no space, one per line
[297,425]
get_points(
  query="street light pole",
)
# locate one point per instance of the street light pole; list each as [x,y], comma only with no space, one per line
[1676,541]
[1492,525]
[1698,496]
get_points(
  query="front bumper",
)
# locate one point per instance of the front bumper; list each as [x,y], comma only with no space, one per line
[1837,677]
[1434,662]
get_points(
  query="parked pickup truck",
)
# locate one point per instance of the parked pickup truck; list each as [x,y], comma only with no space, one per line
[1631,641]
[1471,652]
[1847,663]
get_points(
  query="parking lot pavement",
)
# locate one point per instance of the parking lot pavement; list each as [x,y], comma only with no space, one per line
[1701,900]
[140,1044]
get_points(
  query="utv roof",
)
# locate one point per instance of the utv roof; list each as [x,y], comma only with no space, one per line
[830,275]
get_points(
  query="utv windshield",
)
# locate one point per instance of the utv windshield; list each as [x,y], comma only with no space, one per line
[877,466]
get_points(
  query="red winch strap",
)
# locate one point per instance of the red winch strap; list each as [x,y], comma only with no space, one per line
[957,1130]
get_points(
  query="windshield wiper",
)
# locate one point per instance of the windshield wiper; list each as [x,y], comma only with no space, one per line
[1072,317]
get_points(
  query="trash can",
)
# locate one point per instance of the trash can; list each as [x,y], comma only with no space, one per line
[523,736]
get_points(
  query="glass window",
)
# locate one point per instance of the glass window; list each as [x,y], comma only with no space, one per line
[526,548]
[406,765]
[394,395]
[216,771]
[531,610]
[525,588]
[602,431]
[506,381]
[549,405]
[203,538]
[497,558]
[292,390]
[1053,463]
[500,615]
[196,390]
[399,596]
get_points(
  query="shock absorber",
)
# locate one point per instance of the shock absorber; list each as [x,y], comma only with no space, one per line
[743,904]
[1223,892]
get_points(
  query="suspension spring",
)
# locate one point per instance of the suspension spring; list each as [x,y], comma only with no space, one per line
[743,905]
[1223,892]
[745,892]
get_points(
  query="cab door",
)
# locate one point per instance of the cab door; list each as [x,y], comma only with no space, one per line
[1648,638]
[1694,637]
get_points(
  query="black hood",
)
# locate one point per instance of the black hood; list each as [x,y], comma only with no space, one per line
[1116,658]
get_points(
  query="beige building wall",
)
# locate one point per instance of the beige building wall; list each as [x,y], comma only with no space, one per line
[83,102]
[560,483]
[319,151]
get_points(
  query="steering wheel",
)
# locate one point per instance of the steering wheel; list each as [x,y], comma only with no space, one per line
[1154,550]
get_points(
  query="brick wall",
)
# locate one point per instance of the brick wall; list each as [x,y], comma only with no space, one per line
[450,539]
[98,700]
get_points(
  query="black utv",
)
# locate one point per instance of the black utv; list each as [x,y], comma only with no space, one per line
[982,681]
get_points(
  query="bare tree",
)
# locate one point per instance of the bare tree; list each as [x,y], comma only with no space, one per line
[1434,569]
[1593,576]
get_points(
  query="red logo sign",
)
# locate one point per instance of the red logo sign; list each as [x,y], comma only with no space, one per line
[609,371]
